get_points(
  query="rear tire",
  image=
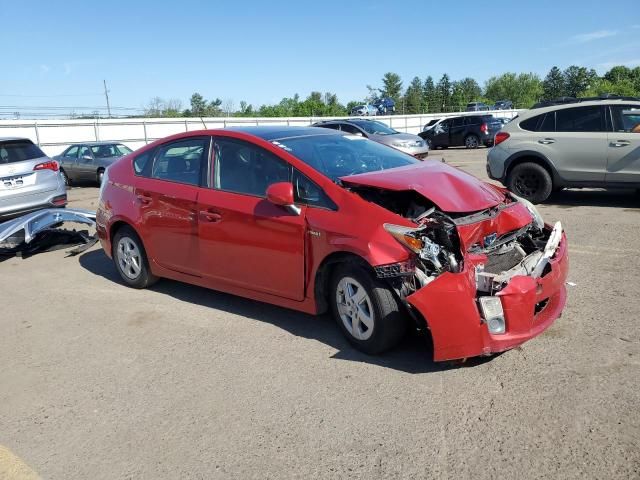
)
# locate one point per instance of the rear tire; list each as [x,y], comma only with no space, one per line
[471,141]
[366,310]
[130,259]
[530,181]
[65,177]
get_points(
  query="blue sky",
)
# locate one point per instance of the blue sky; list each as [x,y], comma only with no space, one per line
[58,52]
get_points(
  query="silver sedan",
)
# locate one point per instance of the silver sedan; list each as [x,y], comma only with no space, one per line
[86,162]
[29,180]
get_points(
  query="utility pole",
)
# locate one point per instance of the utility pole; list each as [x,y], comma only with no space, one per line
[106,94]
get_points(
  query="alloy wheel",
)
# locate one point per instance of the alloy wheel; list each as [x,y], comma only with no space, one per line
[527,184]
[129,258]
[471,141]
[355,308]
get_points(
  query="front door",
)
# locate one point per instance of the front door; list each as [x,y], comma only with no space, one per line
[456,132]
[439,135]
[85,167]
[245,240]
[623,159]
[166,195]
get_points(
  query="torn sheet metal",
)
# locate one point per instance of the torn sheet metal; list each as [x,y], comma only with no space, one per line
[20,233]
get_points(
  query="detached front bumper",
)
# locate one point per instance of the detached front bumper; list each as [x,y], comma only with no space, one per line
[449,304]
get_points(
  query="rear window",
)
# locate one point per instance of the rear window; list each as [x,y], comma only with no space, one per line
[13,151]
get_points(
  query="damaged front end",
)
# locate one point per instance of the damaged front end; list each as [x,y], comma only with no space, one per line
[483,282]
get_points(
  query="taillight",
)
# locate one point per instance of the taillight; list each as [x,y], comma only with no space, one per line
[500,137]
[484,128]
[50,165]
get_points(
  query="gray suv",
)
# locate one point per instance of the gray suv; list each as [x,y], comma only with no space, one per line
[569,143]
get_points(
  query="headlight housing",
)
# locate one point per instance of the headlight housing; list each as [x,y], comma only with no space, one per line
[537,218]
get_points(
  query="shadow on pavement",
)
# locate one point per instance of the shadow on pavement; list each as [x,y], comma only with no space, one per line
[595,198]
[413,355]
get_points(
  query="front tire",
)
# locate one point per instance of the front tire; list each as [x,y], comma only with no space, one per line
[100,176]
[131,259]
[366,310]
[530,181]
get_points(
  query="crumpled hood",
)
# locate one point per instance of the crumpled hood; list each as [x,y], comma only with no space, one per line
[451,189]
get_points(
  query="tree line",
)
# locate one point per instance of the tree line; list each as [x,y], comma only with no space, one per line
[423,96]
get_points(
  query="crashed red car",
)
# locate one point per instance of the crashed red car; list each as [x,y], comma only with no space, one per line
[315,220]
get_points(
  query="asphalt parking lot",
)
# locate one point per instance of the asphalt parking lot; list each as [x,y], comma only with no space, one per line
[102,381]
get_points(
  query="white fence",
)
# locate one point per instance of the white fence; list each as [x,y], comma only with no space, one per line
[55,135]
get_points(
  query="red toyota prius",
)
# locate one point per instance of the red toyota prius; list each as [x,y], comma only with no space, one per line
[315,220]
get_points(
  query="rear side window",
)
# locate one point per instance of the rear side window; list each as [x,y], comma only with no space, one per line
[345,127]
[472,120]
[580,119]
[242,167]
[181,161]
[13,151]
[457,122]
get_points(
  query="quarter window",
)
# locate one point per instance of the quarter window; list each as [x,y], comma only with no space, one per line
[181,161]
[309,193]
[241,167]
[579,119]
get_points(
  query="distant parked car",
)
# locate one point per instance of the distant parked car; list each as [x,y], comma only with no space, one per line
[381,133]
[431,123]
[29,180]
[470,131]
[569,143]
[503,105]
[477,107]
[364,111]
[385,106]
[504,121]
[86,162]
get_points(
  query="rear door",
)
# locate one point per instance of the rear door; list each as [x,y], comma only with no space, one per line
[245,240]
[578,147]
[623,149]
[457,131]
[166,195]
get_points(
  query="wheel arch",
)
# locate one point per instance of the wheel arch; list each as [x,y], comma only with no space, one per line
[322,280]
[532,157]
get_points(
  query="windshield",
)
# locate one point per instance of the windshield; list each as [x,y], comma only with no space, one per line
[341,155]
[18,151]
[375,128]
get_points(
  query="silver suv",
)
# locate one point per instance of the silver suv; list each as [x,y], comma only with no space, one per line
[569,143]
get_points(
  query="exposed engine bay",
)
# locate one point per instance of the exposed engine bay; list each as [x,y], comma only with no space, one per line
[436,241]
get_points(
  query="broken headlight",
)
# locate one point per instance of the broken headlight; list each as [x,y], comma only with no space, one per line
[537,218]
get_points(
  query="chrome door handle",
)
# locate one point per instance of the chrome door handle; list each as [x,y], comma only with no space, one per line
[212,217]
[620,143]
[546,141]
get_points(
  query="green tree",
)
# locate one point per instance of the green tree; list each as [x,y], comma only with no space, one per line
[413,96]
[578,80]
[553,85]
[198,105]
[600,86]
[391,86]
[465,91]
[522,89]
[618,74]
[444,93]
[430,95]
